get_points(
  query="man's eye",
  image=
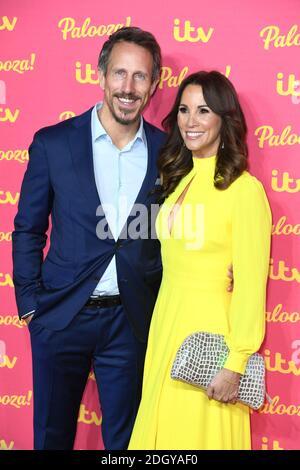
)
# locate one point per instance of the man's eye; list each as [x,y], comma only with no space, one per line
[140,76]
[120,73]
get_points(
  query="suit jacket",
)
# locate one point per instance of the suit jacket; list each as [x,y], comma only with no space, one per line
[60,181]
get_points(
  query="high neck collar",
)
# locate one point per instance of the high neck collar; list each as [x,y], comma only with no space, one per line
[203,162]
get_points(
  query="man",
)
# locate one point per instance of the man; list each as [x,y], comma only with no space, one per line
[90,301]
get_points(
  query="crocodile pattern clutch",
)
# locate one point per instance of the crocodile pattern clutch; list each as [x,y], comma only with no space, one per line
[203,354]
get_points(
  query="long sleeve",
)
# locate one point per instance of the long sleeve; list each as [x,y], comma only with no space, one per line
[251,234]
[31,224]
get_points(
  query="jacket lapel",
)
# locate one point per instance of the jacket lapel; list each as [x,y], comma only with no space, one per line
[152,172]
[150,177]
[80,140]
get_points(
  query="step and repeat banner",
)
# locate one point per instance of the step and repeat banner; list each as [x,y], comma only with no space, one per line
[48,73]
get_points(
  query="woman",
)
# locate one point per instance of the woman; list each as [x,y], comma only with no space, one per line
[215,214]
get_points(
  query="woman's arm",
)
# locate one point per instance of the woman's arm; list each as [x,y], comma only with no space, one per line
[251,234]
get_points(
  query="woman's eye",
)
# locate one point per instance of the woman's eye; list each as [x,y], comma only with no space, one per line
[182,110]
[204,110]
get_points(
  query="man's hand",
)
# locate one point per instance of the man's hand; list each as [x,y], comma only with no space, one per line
[230,275]
[27,320]
[225,386]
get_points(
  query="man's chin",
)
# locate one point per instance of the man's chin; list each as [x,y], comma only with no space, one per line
[127,120]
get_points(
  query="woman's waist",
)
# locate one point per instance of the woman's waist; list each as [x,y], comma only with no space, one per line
[207,268]
[197,278]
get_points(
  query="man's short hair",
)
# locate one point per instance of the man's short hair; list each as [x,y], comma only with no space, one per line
[136,36]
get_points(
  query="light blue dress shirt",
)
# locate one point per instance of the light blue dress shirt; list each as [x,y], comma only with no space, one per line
[119,175]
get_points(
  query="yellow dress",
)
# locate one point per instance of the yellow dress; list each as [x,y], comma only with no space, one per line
[212,229]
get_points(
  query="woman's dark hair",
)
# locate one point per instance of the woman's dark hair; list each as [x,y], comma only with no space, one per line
[136,36]
[175,160]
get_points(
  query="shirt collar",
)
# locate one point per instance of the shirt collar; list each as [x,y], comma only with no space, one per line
[99,131]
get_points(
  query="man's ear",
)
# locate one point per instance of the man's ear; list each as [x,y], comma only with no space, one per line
[101,78]
[153,86]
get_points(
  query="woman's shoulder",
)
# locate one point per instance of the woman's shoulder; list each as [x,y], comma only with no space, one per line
[250,196]
[247,184]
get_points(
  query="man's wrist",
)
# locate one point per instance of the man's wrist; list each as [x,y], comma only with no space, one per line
[27,314]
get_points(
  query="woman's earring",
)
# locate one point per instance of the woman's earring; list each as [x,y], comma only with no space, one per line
[222,146]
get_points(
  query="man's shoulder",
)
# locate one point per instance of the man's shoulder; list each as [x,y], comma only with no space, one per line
[64,126]
[153,130]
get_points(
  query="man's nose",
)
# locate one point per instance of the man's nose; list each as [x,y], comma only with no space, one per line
[128,85]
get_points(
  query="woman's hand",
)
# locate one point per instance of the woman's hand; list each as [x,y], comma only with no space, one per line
[225,386]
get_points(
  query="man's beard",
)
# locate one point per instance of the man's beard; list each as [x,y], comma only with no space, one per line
[125,122]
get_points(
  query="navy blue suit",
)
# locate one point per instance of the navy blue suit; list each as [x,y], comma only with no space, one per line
[60,182]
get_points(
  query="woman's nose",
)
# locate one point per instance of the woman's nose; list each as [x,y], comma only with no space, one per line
[192,119]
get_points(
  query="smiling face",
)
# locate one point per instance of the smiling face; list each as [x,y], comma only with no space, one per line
[127,84]
[199,126]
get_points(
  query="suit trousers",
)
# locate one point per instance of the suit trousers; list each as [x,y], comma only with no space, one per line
[98,337]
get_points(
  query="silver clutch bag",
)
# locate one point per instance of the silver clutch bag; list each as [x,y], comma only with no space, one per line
[203,354]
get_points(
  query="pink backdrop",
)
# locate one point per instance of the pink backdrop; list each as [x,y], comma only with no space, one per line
[48,57]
